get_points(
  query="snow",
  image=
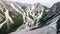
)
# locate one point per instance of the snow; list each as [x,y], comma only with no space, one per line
[43,30]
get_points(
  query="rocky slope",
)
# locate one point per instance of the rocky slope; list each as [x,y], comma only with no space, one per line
[16,16]
[22,15]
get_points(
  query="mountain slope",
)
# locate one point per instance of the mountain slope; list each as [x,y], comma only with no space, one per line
[20,16]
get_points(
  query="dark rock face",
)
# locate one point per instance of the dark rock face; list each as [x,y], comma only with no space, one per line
[58,13]
[58,26]
[55,9]
[53,12]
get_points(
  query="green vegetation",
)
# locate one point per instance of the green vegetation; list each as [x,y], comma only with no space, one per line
[2,16]
[11,27]
[18,20]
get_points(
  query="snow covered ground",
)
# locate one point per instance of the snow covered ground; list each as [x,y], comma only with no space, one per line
[44,30]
